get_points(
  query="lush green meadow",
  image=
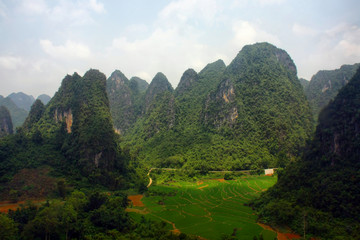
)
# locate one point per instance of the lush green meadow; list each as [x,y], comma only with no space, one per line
[208,208]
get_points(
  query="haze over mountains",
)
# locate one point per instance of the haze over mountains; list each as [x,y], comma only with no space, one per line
[19,105]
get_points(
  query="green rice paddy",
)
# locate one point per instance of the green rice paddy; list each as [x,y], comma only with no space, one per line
[209,208]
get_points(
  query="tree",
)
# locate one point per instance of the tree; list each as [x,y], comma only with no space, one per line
[9,230]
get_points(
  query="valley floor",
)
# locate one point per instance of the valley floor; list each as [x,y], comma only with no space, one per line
[208,209]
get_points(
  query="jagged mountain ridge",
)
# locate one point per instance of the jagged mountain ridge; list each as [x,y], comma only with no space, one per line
[224,106]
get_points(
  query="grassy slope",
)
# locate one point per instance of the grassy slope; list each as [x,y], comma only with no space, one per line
[211,208]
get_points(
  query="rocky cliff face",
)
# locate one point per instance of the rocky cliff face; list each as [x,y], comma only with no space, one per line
[338,132]
[220,106]
[122,95]
[64,116]
[325,85]
[6,126]
[261,93]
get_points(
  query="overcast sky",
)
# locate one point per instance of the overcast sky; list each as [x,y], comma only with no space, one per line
[42,41]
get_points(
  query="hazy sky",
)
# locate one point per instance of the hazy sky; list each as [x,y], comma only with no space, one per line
[42,41]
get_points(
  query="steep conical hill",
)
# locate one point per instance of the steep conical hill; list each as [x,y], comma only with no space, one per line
[261,99]
[76,126]
[159,84]
[188,78]
[123,95]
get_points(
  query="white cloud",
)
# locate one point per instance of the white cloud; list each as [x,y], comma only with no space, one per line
[182,11]
[182,39]
[270,2]
[248,33]
[97,7]
[336,46]
[3,9]
[302,30]
[10,62]
[69,50]
[34,7]
[66,12]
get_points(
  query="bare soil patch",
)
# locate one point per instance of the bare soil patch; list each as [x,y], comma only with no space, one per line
[136,200]
[5,206]
[292,236]
[30,184]
[280,236]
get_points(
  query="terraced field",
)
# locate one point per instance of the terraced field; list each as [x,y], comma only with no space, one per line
[209,208]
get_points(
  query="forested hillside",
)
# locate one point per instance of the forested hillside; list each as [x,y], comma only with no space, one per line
[322,189]
[73,135]
[325,85]
[250,114]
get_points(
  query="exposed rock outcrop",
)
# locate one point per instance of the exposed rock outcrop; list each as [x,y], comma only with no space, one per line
[6,126]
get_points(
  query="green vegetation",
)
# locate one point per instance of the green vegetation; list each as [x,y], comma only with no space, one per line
[322,189]
[84,215]
[325,85]
[73,135]
[251,114]
[213,209]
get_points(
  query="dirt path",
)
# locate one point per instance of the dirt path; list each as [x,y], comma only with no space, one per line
[150,180]
[203,186]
